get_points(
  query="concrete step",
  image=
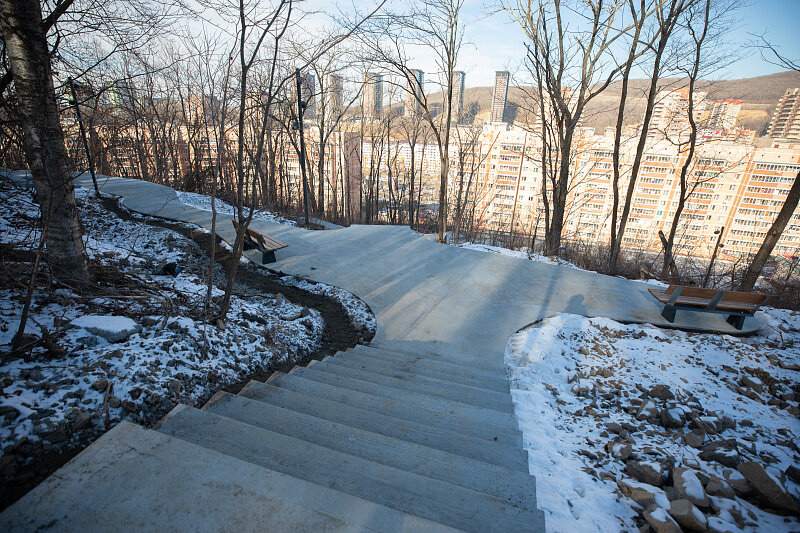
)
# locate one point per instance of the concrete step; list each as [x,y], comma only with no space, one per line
[407,408]
[513,486]
[420,496]
[428,429]
[477,414]
[136,479]
[437,367]
[422,384]
[444,352]
[428,367]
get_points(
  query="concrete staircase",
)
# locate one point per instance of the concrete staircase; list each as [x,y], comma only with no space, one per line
[374,438]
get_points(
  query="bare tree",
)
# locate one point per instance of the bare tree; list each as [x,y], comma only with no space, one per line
[572,64]
[437,26]
[43,139]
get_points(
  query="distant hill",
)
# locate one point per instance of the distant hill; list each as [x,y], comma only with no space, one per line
[760,96]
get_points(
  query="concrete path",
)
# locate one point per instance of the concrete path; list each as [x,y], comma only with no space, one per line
[414,433]
[433,297]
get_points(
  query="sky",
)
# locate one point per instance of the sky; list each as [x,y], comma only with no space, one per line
[494,42]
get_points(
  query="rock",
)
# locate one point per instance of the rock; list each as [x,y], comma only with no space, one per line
[100,385]
[661,392]
[725,422]
[647,411]
[646,472]
[688,487]
[661,522]
[56,436]
[769,490]
[135,393]
[291,315]
[751,383]
[619,450]
[737,482]
[694,439]
[645,495]
[175,386]
[150,321]
[115,354]
[793,473]
[114,402]
[721,451]
[687,515]
[304,312]
[8,466]
[111,328]
[613,427]
[717,486]
[81,420]
[672,418]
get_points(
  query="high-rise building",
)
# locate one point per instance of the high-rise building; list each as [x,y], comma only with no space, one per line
[499,95]
[309,88]
[785,121]
[413,92]
[373,96]
[670,118]
[458,93]
[723,114]
[336,90]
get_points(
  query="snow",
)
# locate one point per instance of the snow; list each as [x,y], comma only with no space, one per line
[115,324]
[519,254]
[567,354]
[177,355]
[201,201]
[693,487]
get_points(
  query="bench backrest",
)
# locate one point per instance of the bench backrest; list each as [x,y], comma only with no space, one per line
[731,296]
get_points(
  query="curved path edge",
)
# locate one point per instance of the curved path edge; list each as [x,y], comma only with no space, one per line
[428,296]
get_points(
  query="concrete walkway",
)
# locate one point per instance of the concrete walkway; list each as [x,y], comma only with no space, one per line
[414,433]
[433,297]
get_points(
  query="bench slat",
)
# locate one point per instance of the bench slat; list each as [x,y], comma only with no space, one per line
[702,302]
[264,242]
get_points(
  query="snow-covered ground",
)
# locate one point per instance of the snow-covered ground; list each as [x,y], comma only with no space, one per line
[585,394]
[201,201]
[359,313]
[520,254]
[169,353]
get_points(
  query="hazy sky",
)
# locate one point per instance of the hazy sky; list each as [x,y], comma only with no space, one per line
[495,43]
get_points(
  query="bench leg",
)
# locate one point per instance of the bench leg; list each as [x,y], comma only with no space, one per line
[736,321]
[669,313]
[267,257]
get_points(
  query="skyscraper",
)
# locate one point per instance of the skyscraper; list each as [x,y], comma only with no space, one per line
[336,90]
[499,95]
[458,93]
[373,96]
[413,91]
[786,119]
[309,87]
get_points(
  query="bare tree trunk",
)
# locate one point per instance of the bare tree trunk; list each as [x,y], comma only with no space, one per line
[771,239]
[43,140]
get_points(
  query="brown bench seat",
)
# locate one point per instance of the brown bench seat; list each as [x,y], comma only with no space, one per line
[264,243]
[737,305]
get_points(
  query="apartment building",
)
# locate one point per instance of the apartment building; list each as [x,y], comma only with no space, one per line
[723,114]
[785,121]
[734,187]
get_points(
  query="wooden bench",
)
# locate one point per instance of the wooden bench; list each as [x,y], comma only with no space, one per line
[266,244]
[737,305]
